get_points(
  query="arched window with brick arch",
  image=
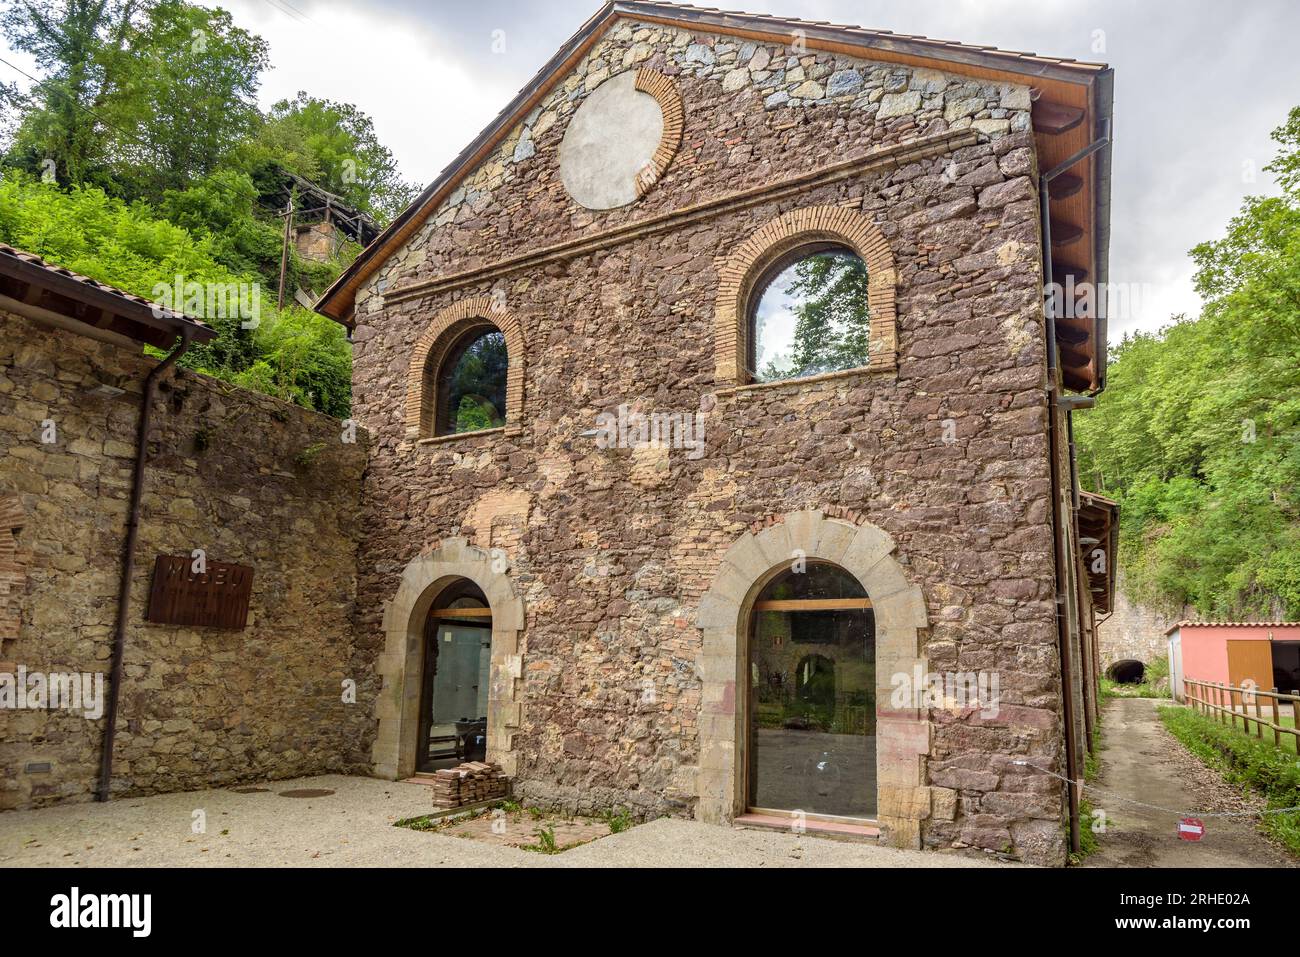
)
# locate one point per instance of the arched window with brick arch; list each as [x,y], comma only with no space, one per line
[812,292]
[466,372]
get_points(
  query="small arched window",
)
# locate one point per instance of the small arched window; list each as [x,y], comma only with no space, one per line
[810,314]
[470,382]
[466,372]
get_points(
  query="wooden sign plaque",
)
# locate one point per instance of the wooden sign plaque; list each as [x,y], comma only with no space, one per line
[217,599]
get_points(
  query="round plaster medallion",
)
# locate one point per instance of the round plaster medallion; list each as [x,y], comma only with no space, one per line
[607,158]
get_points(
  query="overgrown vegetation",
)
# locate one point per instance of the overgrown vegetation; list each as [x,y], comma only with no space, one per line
[141,156]
[1246,762]
[1198,433]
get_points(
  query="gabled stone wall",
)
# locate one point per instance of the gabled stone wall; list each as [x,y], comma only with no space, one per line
[611,551]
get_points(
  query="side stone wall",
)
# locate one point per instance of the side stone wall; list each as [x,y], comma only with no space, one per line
[248,479]
[1135,631]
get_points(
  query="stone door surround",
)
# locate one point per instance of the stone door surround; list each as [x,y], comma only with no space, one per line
[902,736]
[402,662]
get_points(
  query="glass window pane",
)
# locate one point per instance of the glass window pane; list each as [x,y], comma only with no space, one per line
[477,385]
[818,582]
[812,317]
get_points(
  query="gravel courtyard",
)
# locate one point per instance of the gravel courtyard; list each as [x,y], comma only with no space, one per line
[353,828]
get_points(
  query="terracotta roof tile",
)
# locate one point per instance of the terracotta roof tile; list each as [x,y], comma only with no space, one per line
[34,260]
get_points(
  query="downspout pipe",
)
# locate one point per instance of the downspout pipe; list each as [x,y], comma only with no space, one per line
[1073,764]
[128,559]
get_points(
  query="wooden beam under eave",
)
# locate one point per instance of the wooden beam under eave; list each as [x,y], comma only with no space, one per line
[1053,119]
[1078,376]
[1065,234]
[1070,334]
[1064,186]
[1062,274]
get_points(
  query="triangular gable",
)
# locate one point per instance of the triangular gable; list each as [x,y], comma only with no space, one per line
[1074,98]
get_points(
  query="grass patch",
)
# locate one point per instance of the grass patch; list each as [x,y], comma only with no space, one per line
[1247,763]
[619,820]
[528,828]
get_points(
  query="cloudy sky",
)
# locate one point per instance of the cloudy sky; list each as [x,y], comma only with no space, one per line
[1199,86]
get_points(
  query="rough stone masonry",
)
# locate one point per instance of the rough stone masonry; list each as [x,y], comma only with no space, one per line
[611,550]
[244,477]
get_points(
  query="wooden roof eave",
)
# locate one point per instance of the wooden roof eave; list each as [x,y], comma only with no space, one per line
[51,293]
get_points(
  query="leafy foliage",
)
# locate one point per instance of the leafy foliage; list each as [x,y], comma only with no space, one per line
[335,146]
[141,156]
[829,295]
[294,354]
[1198,433]
[478,384]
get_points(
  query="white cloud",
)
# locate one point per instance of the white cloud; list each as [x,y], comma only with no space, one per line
[426,99]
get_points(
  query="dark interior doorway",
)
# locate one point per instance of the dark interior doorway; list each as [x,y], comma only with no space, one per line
[1127,672]
[454,689]
[812,696]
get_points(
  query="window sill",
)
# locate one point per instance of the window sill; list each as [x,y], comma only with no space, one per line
[795,383]
[446,439]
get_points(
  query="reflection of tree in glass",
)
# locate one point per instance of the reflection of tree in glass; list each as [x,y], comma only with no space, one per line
[829,292]
[478,385]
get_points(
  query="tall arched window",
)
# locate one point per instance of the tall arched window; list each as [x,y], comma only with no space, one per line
[812,291]
[810,314]
[470,383]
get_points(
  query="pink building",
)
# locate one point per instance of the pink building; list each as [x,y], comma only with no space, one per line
[1266,653]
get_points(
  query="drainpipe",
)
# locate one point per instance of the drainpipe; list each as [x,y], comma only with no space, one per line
[1073,764]
[128,561]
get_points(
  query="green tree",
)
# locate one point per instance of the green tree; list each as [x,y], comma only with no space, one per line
[187,97]
[1198,433]
[833,317]
[335,146]
[81,45]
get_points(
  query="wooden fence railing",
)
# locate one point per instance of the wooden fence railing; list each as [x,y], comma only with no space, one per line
[1230,702]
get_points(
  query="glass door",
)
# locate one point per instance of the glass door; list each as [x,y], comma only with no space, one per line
[457,672]
[812,696]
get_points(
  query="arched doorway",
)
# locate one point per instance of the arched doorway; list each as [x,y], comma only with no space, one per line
[456,678]
[812,695]
[424,587]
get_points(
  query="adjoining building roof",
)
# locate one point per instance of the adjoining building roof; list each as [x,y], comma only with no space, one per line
[1232,624]
[32,287]
[1072,106]
[317,204]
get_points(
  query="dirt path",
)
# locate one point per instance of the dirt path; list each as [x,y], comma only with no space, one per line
[1141,761]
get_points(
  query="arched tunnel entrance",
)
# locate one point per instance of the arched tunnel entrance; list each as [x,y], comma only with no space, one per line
[1129,671]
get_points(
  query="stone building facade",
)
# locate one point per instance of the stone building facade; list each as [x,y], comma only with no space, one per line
[249,480]
[621,579]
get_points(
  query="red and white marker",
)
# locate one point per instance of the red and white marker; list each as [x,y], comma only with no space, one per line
[1191,829]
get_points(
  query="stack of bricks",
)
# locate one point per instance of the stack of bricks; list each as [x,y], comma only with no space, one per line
[470,783]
